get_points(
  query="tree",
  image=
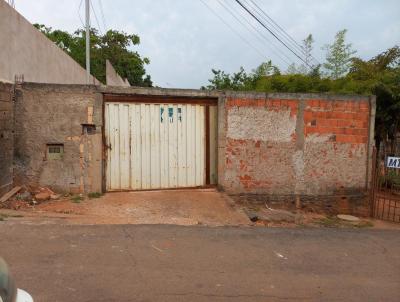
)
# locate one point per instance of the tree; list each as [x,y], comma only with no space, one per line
[338,56]
[113,46]
[379,76]
[307,48]
[241,80]
[307,66]
[266,69]
[292,69]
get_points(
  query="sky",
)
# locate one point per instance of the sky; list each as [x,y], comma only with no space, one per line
[185,39]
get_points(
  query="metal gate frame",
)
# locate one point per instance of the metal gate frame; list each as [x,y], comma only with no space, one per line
[384,198]
[160,99]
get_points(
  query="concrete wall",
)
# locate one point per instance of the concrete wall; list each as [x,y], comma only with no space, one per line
[285,145]
[113,78]
[26,51]
[269,146]
[6,137]
[54,114]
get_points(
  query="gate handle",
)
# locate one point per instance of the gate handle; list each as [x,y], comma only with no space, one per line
[108,146]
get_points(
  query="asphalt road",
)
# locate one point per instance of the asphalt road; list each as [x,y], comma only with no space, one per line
[172,263]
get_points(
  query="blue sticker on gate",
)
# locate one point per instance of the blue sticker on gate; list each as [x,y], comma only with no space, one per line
[180,114]
[161,114]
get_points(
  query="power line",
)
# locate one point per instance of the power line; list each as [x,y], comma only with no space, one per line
[102,15]
[271,32]
[95,16]
[79,13]
[274,26]
[256,29]
[285,33]
[236,32]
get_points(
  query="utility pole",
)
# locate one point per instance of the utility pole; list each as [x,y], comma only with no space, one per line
[87,8]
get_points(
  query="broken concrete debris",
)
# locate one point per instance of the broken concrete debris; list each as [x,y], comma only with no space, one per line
[42,196]
[25,196]
[349,218]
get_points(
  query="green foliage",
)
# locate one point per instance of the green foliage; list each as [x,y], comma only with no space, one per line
[92,195]
[390,180]
[113,46]
[292,69]
[338,56]
[241,80]
[379,76]
[76,199]
[307,47]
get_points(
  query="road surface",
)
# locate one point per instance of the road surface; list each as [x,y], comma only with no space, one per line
[175,263]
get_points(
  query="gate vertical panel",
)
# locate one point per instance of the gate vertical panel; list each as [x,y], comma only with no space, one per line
[172,159]
[115,163]
[124,146]
[136,154]
[181,122]
[108,145]
[191,171]
[164,145]
[198,146]
[155,147]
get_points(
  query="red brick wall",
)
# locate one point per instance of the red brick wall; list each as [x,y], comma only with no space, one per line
[286,146]
[347,121]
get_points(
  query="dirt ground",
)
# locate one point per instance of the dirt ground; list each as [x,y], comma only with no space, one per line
[176,207]
[179,207]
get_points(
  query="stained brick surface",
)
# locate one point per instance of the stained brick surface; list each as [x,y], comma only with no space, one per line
[326,153]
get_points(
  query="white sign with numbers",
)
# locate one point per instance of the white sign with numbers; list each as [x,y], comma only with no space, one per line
[393,162]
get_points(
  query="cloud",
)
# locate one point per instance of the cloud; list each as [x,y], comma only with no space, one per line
[184,40]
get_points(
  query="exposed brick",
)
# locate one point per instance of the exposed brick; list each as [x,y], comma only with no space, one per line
[276,103]
[324,130]
[308,116]
[342,115]
[261,103]
[313,103]
[320,114]
[339,106]
[345,123]
[327,122]
[353,139]
[364,106]
[361,116]
[355,131]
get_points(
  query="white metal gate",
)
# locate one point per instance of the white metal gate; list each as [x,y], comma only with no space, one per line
[153,146]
